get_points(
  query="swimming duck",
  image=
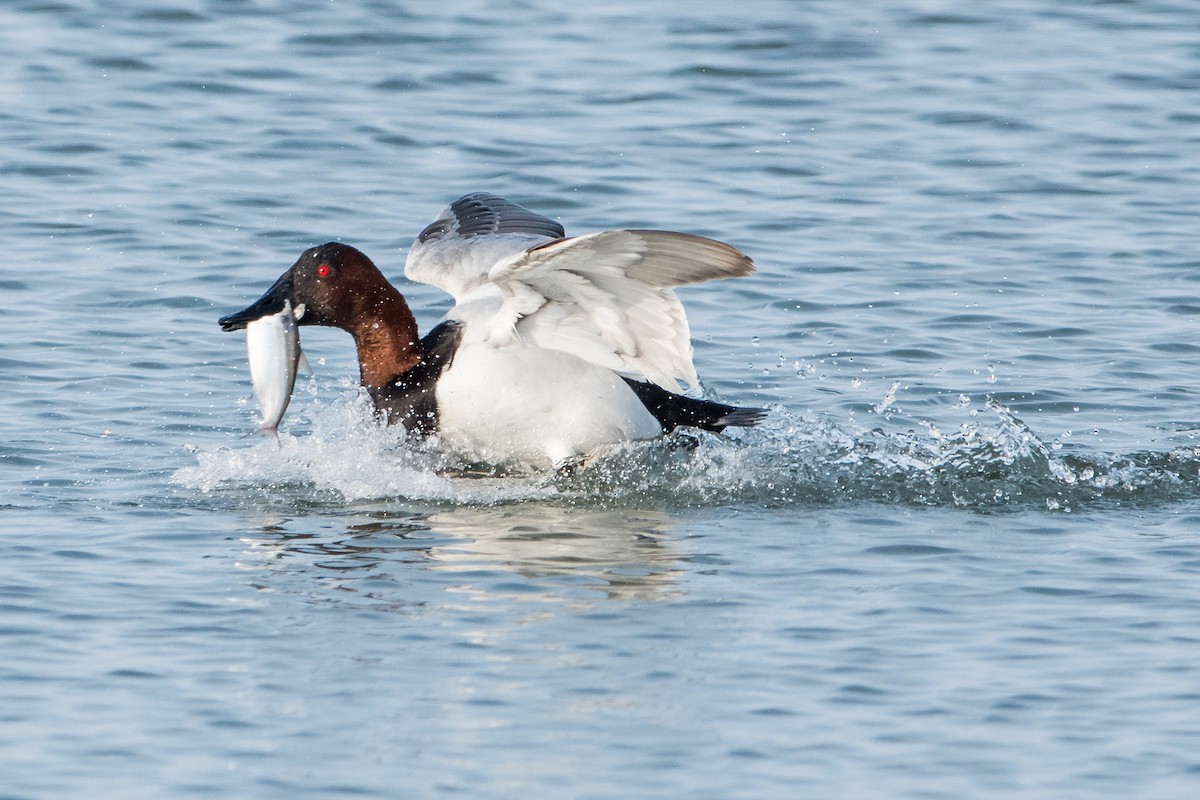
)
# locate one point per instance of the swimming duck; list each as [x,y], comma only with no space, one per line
[555,346]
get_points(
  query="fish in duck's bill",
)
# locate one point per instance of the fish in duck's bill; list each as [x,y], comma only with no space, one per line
[273,350]
[556,346]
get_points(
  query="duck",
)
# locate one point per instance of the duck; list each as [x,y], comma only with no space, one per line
[555,347]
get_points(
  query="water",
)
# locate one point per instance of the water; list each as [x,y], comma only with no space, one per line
[960,559]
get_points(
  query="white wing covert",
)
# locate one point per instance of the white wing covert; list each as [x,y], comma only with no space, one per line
[608,298]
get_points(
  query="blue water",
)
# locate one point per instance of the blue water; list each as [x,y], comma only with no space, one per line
[961,558]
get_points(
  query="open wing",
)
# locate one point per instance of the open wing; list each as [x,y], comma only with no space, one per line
[607,297]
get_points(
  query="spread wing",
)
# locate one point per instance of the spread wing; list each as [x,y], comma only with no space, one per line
[606,297]
[456,250]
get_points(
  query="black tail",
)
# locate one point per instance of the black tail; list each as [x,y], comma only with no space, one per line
[672,410]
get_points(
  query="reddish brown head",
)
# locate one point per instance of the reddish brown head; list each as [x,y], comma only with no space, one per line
[337,285]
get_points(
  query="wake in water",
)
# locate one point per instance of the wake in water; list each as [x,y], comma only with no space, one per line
[992,461]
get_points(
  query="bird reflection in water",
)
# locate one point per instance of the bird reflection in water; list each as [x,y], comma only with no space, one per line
[623,553]
[534,552]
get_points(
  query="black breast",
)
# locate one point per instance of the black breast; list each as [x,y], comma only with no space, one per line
[410,399]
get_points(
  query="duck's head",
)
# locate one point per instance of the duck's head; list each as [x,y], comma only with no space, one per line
[333,284]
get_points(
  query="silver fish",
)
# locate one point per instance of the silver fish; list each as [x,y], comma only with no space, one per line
[273,346]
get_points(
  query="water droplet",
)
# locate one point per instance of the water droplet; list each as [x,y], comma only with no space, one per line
[888,399]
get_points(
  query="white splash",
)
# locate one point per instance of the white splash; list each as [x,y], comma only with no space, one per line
[990,460]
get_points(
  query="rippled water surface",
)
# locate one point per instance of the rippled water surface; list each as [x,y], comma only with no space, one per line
[960,559]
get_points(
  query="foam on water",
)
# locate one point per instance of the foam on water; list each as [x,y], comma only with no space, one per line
[991,461]
[346,453]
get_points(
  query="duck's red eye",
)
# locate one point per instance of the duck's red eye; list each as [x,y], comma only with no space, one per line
[323,270]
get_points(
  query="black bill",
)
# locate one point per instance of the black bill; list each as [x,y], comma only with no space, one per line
[265,306]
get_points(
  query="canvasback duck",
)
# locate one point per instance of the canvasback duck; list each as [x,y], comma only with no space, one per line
[555,346]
